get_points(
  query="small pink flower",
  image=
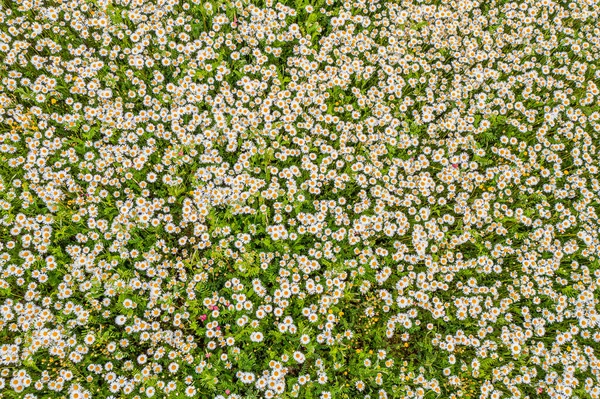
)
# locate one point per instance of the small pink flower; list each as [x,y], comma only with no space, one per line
[215,308]
[180,153]
[218,328]
[208,355]
[540,390]
[227,391]
[455,166]
[203,317]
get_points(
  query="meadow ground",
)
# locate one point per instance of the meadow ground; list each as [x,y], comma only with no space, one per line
[299,199]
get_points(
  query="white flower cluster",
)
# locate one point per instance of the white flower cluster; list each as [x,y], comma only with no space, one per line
[275,199]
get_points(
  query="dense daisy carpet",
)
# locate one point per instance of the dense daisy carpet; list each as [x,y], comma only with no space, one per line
[299,199]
